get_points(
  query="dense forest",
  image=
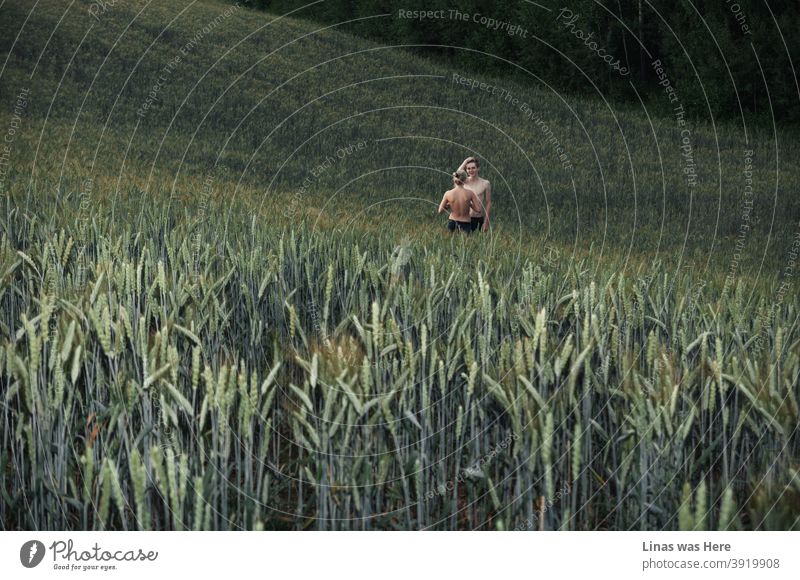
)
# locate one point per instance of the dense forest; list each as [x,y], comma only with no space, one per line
[715,54]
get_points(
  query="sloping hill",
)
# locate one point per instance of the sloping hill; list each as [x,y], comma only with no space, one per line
[154,96]
[181,347]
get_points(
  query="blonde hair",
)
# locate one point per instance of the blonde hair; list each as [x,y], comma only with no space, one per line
[460,177]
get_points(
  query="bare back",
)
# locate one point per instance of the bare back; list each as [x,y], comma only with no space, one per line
[461,201]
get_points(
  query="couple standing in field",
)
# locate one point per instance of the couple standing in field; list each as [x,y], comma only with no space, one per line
[470,200]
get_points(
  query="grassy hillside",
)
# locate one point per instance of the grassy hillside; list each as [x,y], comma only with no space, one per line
[142,94]
[219,311]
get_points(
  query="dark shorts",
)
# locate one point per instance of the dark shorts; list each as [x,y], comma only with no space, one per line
[453,225]
[477,222]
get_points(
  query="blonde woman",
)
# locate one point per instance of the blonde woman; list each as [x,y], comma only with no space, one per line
[461,201]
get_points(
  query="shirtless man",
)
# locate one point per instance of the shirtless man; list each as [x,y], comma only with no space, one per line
[483,188]
[461,202]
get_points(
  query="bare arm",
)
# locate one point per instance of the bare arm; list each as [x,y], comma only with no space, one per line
[463,164]
[488,199]
[488,204]
[474,201]
[444,205]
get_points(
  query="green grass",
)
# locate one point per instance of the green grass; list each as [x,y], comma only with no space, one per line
[181,352]
[270,100]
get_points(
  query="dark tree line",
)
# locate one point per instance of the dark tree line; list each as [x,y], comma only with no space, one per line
[720,56]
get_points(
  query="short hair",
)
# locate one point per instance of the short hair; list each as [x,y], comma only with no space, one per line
[475,159]
[460,177]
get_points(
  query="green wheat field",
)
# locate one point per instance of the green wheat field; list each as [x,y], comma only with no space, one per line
[227,302]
